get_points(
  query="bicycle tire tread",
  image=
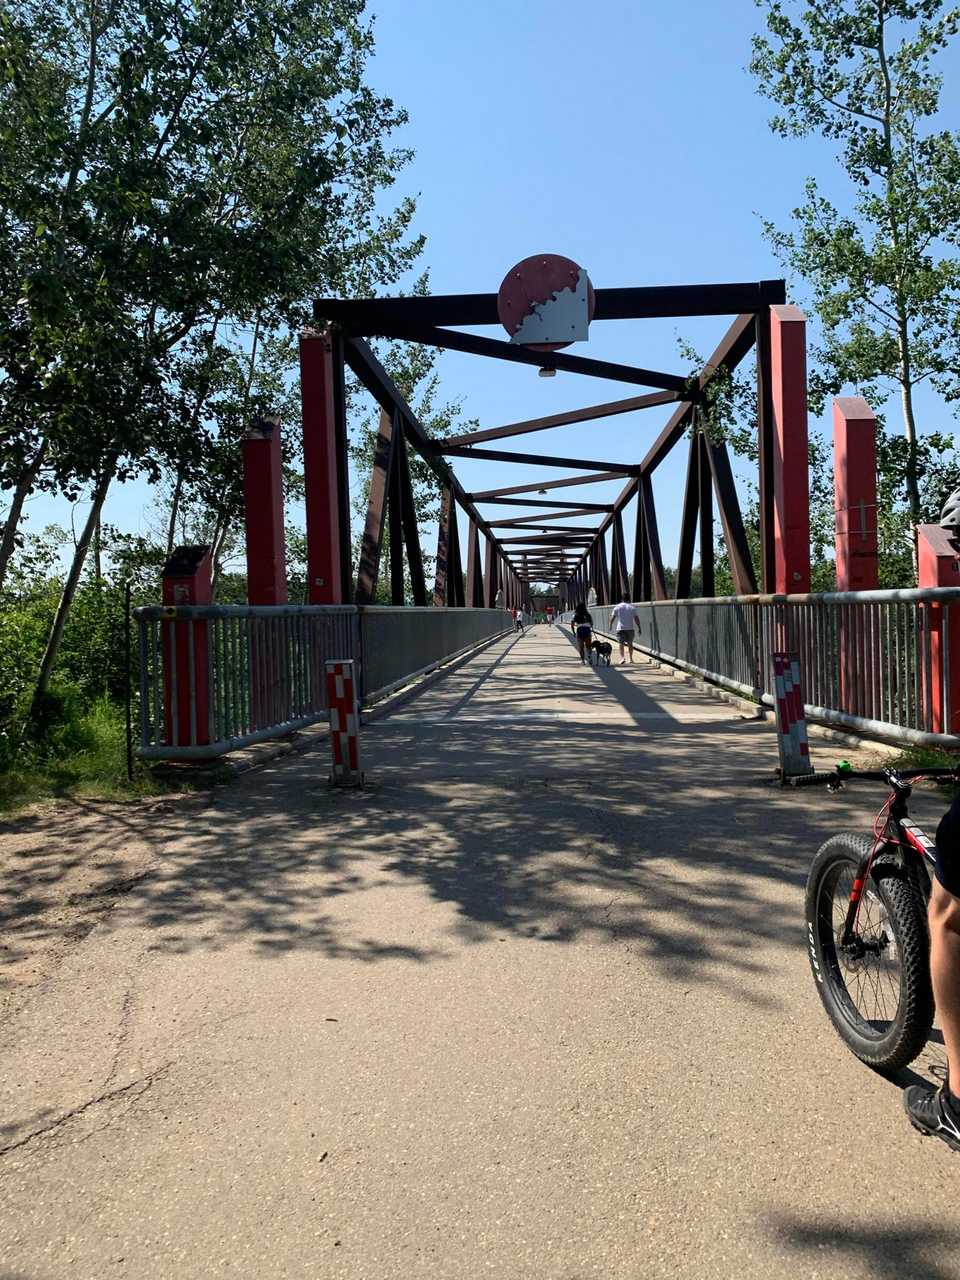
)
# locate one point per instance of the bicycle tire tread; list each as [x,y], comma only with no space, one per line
[910,1029]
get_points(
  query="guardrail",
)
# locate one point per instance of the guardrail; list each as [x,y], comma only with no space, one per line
[399,644]
[217,677]
[874,662]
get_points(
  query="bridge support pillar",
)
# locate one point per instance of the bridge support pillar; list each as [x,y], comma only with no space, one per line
[939,566]
[791,485]
[491,580]
[855,516]
[855,493]
[187,579]
[263,513]
[326,485]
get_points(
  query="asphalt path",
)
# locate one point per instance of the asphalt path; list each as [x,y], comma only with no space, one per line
[534,1003]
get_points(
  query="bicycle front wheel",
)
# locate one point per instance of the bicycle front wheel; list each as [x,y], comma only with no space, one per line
[876,989]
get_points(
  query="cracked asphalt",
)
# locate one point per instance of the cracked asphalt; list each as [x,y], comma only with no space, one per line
[535,1003]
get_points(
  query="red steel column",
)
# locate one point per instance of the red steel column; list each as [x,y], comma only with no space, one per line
[263,513]
[325,469]
[855,515]
[791,485]
[187,579]
[939,566]
[855,493]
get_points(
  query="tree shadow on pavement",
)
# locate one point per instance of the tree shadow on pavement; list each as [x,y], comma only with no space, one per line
[664,838]
[580,832]
[901,1252]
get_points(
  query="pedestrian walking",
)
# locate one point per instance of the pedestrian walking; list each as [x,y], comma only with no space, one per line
[624,621]
[583,629]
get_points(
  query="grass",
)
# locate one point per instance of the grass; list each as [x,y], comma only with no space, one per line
[926,758]
[87,758]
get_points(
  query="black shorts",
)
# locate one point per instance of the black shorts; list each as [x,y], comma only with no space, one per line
[947,866]
[583,631]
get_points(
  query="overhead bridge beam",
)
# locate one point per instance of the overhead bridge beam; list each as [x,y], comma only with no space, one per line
[534,459]
[454,340]
[608,410]
[515,521]
[646,302]
[570,508]
[535,486]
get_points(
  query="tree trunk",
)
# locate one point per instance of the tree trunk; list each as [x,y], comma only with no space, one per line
[21,492]
[70,590]
[174,511]
[98,555]
[216,552]
[909,425]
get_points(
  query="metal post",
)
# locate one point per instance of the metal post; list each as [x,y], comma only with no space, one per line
[263,512]
[788,365]
[326,486]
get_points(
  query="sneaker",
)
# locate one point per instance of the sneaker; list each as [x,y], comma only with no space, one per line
[622,662]
[932,1114]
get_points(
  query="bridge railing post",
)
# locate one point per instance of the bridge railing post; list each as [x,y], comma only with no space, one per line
[939,566]
[187,579]
[326,483]
[791,485]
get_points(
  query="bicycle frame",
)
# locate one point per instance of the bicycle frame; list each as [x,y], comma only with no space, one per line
[899,833]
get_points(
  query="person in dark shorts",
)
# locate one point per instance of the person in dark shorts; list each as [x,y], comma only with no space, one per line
[582,629]
[625,621]
[937,1111]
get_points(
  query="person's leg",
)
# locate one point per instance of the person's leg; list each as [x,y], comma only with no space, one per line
[623,656]
[944,920]
[631,650]
[937,1111]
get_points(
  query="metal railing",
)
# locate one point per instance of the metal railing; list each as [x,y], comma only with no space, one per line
[400,644]
[217,677]
[875,662]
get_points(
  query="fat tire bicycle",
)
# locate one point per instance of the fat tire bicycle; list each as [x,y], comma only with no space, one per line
[866,917]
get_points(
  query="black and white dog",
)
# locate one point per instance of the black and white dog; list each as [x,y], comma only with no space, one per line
[600,652]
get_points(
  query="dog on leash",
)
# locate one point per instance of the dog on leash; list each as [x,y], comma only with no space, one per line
[601,652]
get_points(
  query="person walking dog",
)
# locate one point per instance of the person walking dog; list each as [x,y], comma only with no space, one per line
[583,629]
[624,621]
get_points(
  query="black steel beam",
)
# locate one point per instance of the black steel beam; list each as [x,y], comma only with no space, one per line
[544,528]
[738,549]
[533,459]
[708,577]
[513,521]
[381,386]
[535,486]
[688,520]
[541,502]
[731,349]
[411,530]
[608,410]
[645,302]
[495,348]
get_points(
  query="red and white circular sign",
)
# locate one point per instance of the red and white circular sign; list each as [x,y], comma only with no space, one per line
[546,302]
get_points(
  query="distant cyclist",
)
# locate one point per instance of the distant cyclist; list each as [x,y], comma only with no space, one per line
[583,629]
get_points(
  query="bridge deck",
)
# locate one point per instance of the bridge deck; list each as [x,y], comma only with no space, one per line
[534,1004]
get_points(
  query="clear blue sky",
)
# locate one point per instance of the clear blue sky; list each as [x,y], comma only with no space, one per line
[626,136]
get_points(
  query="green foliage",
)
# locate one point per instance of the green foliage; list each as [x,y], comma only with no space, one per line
[883,274]
[78,725]
[177,183]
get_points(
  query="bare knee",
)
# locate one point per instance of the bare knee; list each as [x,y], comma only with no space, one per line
[944,912]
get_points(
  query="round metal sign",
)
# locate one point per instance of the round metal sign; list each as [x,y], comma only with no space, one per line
[546,302]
